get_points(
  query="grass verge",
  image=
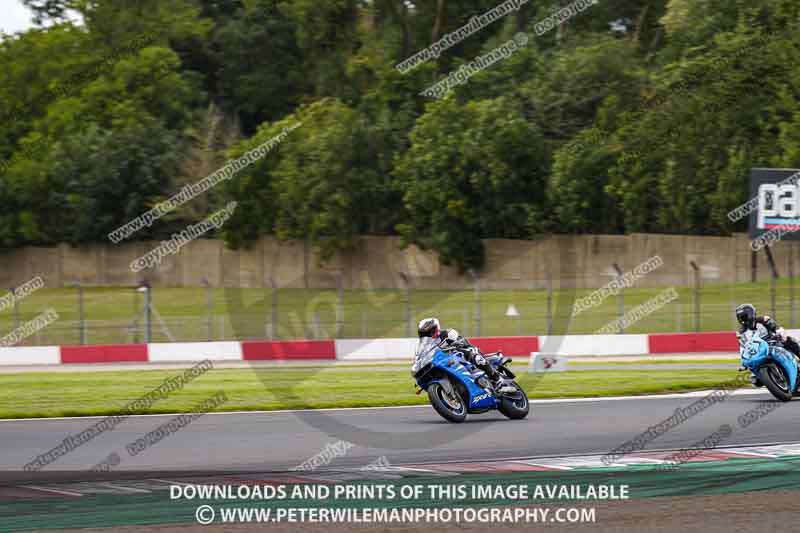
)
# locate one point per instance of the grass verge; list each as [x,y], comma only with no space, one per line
[104,393]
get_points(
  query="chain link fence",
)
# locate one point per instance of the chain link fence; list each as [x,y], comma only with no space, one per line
[102,315]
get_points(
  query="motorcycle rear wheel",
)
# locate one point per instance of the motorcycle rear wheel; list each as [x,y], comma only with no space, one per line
[449,408]
[775,379]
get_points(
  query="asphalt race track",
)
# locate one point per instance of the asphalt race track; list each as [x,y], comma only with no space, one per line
[278,441]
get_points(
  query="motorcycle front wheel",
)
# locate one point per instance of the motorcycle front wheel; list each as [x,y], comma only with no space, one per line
[775,379]
[451,408]
[517,407]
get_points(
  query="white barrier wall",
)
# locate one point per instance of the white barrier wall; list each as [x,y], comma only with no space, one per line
[30,355]
[368,349]
[599,345]
[375,349]
[194,351]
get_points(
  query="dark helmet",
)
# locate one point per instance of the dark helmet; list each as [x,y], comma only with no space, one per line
[428,327]
[746,315]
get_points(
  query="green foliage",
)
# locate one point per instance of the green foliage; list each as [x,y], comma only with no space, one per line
[260,65]
[636,115]
[100,156]
[472,171]
[579,177]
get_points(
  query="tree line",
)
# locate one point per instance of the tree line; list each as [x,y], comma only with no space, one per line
[630,116]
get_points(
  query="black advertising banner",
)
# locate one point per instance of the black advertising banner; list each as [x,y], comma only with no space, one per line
[774,204]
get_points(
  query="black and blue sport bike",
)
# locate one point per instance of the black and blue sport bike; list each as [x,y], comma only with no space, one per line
[456,387]
[772,365]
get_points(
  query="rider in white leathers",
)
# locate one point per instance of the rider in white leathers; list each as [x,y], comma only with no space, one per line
[449,340]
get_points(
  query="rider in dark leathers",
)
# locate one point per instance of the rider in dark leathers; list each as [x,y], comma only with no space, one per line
[749,320]
[449,340]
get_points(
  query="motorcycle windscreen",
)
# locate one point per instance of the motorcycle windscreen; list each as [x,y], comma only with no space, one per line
[424,352]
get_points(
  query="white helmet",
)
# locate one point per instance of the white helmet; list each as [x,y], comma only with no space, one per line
[428,327]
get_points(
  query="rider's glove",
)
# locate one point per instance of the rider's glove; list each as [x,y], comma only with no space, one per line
[781,333]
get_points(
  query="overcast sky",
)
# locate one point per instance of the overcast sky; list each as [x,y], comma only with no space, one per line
[15,16]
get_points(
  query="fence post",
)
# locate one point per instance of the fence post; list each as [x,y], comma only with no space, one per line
[696,296]
[549,317]
[144,287]
[772,294]
[16,307]
[775,275]
[339,305]
[620,300]
[274,310]
[209,309]
[477,285]
[81,323]
[406,302]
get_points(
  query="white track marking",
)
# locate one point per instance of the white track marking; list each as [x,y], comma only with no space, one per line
[755,454]
[125,489]
[168,482]
[52,491]
[542,465]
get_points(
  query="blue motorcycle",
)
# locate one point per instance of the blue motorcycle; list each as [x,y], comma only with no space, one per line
[456,387]
[771,364]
